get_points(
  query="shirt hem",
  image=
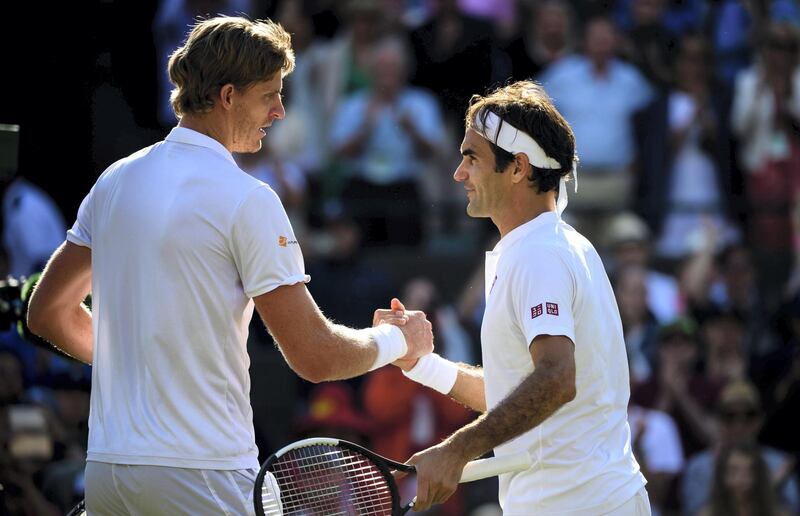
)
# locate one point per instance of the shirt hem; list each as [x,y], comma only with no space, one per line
[291,280]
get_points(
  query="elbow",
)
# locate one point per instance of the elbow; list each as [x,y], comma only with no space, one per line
[314,373]
[569,392]
[568,389]
[35,320]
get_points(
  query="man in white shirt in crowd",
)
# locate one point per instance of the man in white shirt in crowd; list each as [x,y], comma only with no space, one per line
[177,245]
[554,380]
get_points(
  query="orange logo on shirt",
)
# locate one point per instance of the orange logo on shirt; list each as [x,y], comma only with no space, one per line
[282,241]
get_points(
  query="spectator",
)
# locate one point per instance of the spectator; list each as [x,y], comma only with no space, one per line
[444,47]
[694,188]
[603,129]
[386,136]
[740,420]
[33,227]
[742,485]
[677,387]
[726,355]
[657,446]
[766,120]
[341,67]
[638,324]
[547,35]
[648,44]
[628,240]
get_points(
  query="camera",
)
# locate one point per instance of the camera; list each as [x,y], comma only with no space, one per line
[13,301]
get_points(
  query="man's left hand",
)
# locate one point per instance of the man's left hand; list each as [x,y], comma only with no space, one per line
[439,469]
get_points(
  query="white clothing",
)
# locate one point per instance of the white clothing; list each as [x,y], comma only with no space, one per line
[639,505]
[660,442]
[116,490]
[663,296]
[544,278]
[181,240]
[753,118]
[695,197]
[33,227]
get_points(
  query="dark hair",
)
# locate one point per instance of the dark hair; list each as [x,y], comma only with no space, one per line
[723,503]
[527,107]
[225,50]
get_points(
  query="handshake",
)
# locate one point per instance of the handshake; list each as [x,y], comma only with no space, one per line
[416,329]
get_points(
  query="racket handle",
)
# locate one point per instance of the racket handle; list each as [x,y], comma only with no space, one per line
[493,466]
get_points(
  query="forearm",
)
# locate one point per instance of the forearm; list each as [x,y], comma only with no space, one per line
[534,400]
[332,352]
[469,388]
[71,333]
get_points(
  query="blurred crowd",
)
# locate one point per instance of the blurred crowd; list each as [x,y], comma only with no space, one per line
[687,119]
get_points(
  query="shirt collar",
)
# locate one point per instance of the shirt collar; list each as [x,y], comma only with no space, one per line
[192,137]
[548,218]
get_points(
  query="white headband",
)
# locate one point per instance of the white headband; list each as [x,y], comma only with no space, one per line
[512,140]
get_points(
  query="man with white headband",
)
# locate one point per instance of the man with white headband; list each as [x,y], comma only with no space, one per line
[554,380]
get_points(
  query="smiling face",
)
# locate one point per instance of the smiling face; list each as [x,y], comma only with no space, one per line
[486,189]
[254,109]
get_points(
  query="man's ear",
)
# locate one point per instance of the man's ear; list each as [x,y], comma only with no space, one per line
[521,167]
[226,96]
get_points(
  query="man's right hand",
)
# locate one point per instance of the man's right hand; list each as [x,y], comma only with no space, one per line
[416,329]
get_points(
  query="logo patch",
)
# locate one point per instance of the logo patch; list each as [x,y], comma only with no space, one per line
[552,308]
[283,241]
[536,311]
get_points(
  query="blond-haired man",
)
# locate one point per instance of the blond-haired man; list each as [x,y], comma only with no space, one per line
[177,245]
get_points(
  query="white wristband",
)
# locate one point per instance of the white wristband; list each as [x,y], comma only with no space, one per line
[391,344]
[435,372]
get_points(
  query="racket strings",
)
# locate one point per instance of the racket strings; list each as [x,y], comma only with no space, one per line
[327,480]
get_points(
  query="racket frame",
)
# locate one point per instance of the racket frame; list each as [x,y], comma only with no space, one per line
[384,465]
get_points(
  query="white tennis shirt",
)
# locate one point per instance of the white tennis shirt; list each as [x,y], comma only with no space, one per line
[544,278]
[181,241]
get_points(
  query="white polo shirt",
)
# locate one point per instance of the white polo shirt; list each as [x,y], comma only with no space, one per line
[181,241]
[544,278]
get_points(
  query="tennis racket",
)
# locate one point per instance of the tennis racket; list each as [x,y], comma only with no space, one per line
[325,477]
[78,510]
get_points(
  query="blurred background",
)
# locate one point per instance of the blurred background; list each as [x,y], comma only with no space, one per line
[687,118]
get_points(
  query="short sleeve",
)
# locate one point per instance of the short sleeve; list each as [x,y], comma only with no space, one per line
[544,291]
[81,231]
[263,244]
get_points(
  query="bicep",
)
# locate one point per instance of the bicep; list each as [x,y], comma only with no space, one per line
[555,356]
[290,313]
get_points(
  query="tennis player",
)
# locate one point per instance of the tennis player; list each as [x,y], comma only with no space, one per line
[554,380]
[177,245]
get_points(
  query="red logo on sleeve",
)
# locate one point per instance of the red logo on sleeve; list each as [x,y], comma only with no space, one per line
[536,311]
[552,308]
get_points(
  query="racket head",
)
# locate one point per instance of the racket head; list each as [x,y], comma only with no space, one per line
[323,476]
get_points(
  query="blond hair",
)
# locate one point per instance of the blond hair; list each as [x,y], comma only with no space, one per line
[226,50]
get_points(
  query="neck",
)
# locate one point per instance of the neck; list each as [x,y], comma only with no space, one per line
[599,67]
[207,124]
[523,210]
